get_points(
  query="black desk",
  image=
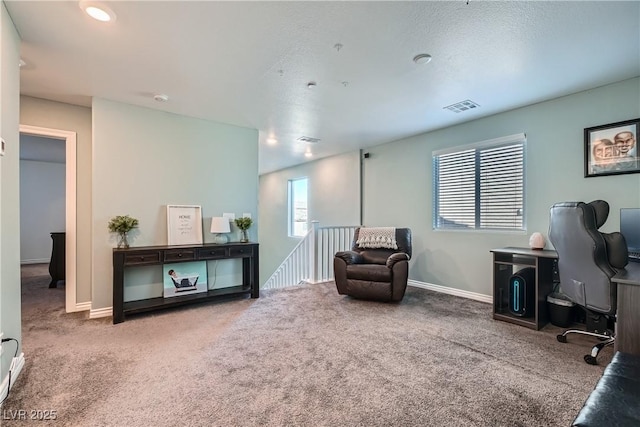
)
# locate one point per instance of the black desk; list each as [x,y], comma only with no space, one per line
[57,262]
[158,255]
[628,312]
[507,261]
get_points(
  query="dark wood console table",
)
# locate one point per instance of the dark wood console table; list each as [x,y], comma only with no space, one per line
[57,262]
[158,255]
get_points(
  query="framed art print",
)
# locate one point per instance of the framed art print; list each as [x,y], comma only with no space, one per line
[183,278]
[611,149]
[184,225]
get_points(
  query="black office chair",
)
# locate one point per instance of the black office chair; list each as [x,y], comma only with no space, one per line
[587,260]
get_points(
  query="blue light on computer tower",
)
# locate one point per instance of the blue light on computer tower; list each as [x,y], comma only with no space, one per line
[522,292]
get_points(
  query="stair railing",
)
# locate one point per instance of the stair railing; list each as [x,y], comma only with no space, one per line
[311,260]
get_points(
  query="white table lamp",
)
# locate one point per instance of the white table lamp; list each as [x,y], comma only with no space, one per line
[220,225]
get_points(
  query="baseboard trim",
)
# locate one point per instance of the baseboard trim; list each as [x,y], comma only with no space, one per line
[82,306]
[34,261]
[100,312]
[451,291]
[439,288]
[4,387]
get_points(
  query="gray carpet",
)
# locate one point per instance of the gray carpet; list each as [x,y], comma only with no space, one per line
[298,356]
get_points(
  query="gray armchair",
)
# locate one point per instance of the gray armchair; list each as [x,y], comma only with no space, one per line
[374,273]
[587,260]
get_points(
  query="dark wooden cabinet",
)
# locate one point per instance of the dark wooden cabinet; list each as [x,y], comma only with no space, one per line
[58,259]
[158,255]
[506,262]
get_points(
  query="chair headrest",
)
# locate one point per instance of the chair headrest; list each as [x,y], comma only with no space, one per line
[601,209]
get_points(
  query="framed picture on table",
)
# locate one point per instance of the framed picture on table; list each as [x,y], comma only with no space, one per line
[184,224]
[183,278]
[612,149]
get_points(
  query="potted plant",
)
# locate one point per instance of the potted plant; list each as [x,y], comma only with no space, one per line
[122,224]
[243,224]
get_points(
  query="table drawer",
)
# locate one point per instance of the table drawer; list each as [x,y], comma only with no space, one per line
[179,255]
[240,251]
[213,253]
[142,258]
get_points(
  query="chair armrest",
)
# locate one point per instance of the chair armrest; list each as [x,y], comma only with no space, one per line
[398,256]
[350,257]
[617,250]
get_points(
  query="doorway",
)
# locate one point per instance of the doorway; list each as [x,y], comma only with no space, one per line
[70,223]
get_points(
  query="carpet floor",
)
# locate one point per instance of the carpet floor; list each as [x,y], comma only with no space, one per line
[298,356]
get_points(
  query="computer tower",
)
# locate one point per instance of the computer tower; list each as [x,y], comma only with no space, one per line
[522,292]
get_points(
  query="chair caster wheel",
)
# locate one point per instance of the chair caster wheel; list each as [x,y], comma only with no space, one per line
[590,359]
[561,338]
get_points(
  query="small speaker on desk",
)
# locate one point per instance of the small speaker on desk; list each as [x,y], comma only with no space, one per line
[522,292]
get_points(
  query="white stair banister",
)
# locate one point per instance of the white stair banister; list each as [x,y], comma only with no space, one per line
[311,260]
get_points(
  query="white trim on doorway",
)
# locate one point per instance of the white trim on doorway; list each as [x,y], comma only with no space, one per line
[70,208]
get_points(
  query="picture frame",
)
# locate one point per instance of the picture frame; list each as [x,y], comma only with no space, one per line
[184,278]
[184,225]
[612,149]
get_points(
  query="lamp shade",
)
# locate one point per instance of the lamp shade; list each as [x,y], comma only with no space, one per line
[220,225]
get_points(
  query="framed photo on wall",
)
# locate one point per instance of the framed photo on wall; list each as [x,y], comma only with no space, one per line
[184,224]
[612,149]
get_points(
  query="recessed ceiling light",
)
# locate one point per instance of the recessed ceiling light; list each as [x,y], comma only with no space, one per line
[308,154]
[312,85]
[98,11]
[423,58]
[161,97]
[272,141]
[22,63]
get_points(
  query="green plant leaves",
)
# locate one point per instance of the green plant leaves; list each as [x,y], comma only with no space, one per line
[122,224]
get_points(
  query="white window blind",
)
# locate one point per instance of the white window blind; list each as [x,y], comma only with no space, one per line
[480,186]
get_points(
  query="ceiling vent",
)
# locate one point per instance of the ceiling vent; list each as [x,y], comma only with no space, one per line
[308,139]
[461,106]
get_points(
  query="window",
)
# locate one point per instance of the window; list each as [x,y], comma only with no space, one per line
[480,186]
[298,224]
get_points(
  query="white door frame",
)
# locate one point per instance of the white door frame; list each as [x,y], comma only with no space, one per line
[70,208]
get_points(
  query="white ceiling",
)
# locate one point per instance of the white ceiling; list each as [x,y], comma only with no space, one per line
[248,63]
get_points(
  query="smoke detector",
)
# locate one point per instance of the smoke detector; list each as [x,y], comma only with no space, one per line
[423,58]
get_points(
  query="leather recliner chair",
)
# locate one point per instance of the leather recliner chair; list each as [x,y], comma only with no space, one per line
[374,273]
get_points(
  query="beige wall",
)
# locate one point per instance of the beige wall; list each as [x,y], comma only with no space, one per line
[57,115]
[145,159]
[42,208]
[10,313]
[398,184]
[334,199]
